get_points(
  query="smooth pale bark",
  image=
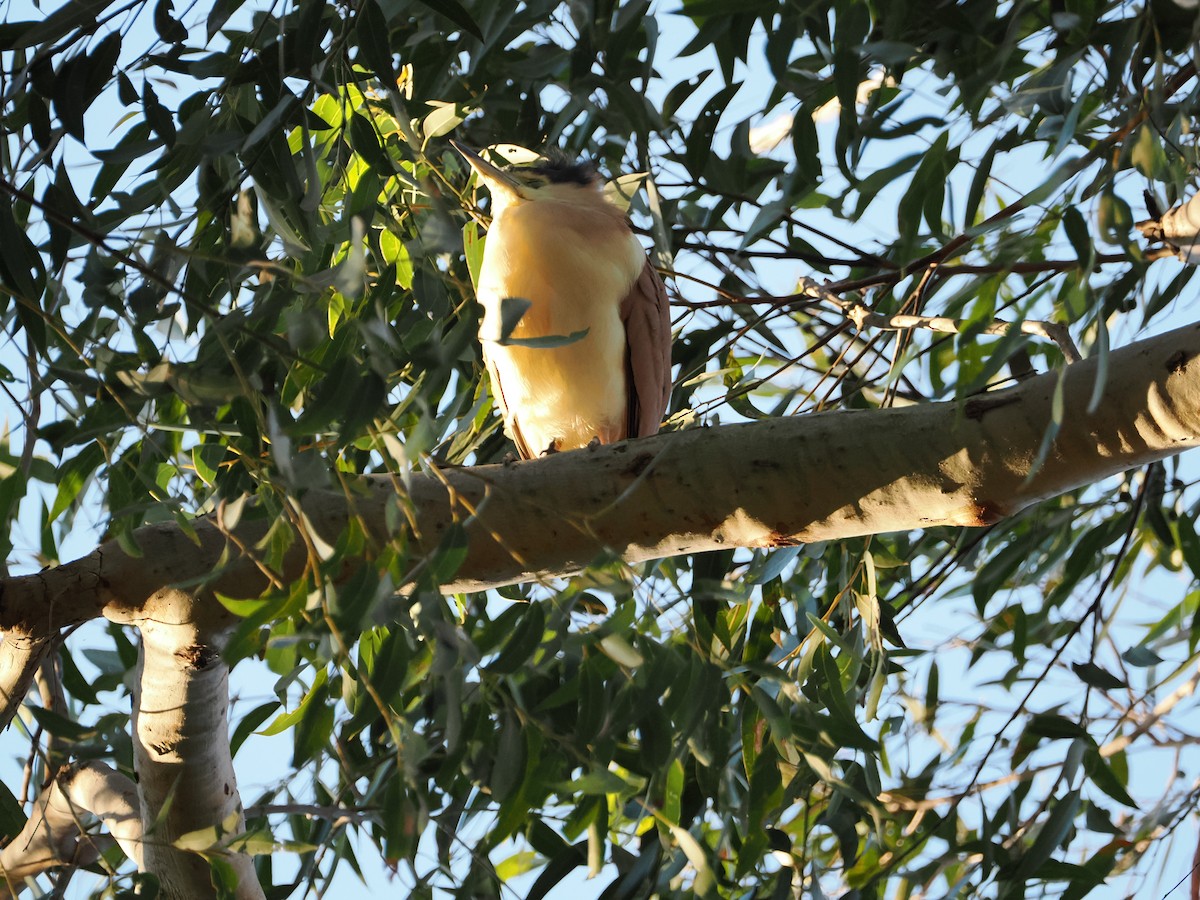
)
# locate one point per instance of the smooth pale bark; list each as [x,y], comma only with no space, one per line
[182,757]
[1179,227]
[52,835]
[765,484]
[20,655]
[770,483]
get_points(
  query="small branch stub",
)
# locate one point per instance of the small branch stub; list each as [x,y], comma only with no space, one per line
[1179,229]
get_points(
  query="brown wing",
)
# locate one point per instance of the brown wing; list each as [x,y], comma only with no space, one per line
[647,317]
[510,422]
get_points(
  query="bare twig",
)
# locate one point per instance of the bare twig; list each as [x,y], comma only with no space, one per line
[1164,706]
[50,690]
[864,317]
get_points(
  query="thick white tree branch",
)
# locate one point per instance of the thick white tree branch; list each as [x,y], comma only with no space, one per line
[190,803]
[765,484]
[770,483]
[53,835]
[20,655]
[186,800]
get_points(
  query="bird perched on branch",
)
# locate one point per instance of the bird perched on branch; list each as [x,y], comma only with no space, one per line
[576,330]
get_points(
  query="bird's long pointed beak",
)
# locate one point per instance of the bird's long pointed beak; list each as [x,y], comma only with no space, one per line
[498,181]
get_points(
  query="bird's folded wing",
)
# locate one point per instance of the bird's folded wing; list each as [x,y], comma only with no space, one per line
[510,421]
[647,317]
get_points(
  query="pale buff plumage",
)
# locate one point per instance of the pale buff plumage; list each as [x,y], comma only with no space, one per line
[564,247]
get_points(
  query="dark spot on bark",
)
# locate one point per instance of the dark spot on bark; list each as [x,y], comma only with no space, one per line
[987,513]
[780,539]
[197,656]
[977,407]
[228,790]
[161,749]
[769,465]
[637,465]
[1178,363]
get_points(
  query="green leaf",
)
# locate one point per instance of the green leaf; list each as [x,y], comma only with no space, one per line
[1052,725]
[205,459]
[602,782]
[444,119]
[545,342]
[1092,674]
[249,722]
[12,818]
[1141,657]
[1146,153]
[315,728]
[451,553]
[978,186]
[559,867]
[1077,233]
[509,767]
[512,310]
[705,883]
[456,13]
[81,14]
[161,121]
[270,124]
[1114,218]
[20,266]
[620,651]
[525,639]
[168,28]
[284,721]
[1100,771]
[394,253]
[473,244]
[673,793]
[60,726]
[364,138]
[73,475]
[1050,836]
[372,32]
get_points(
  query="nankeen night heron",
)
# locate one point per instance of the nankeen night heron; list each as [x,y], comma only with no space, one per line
[558,242]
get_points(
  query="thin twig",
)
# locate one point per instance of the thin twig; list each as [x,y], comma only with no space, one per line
[864,317]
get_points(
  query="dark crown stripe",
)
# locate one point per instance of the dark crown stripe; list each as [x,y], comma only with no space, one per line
[559,168]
